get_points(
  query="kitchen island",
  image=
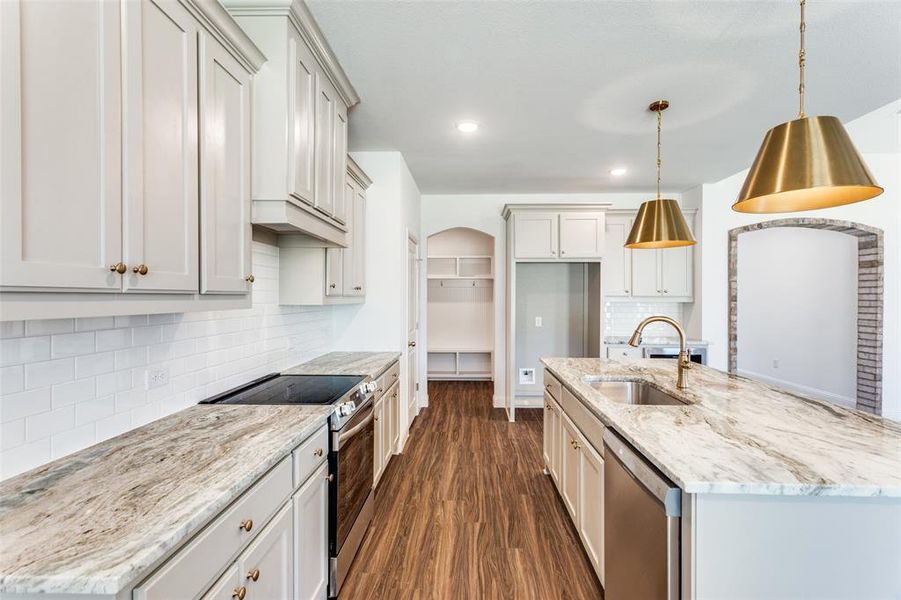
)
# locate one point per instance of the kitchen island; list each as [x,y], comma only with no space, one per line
[783,495]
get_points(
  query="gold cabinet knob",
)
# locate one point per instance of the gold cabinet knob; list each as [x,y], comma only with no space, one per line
[250,278]
[317,452]
[119,268]
[140,269]
[246,525]
[253,574]
[239,593]
[395,375]
[330,477]
[333,285]
[359,288]
[547,406]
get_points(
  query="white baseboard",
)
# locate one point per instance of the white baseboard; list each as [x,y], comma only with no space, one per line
[801,389]
[499,402]
[423,402]
[529,402]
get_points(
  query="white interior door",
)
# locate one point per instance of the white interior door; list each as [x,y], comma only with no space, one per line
[60,162]
[161,147]
[412,321]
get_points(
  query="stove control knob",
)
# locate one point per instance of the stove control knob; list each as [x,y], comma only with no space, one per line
[371,387]
[346,408]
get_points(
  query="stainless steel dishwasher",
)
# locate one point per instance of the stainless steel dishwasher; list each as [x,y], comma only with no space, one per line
[642,520]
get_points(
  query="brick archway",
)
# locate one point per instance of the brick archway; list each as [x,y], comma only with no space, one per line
[870,277]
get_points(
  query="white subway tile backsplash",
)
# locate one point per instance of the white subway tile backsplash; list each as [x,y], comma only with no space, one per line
[94,385]
[621,318]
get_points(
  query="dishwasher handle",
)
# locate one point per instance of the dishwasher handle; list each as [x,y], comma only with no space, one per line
[668,493]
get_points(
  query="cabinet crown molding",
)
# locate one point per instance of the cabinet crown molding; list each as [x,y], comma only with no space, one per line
[354,170]
[300,16]
[509,209]
[220,23]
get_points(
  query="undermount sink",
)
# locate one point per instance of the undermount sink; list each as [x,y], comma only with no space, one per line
[633,392]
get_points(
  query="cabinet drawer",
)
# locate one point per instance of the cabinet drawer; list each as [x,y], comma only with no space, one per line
[623,352]
[590,426]
[388,378]
[551,385]
[310,455]
[187,573]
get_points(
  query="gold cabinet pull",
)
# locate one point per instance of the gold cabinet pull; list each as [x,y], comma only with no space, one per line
[239,593]
[246,525]
[119,268]
[140,269]
[253,574]
[317,452]
[359,288]
[333,285]
[250,278]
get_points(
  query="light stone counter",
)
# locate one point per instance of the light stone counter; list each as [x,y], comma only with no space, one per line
[96,521]
[738,436]
[370,364]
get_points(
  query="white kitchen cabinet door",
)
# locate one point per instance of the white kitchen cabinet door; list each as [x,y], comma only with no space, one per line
[334,271]
[393,424]
[535,235]
[311,537]
[358,241]
[590,523]
[347,254]
[301,120]
[340,165]
[582,234]
[569,468]
[552,438]
[60,164]
[325,145]
[228,586]
[676,272]
[267,566]
[161,147]
[225,229]
[616,269]
[645,273]
[380,439]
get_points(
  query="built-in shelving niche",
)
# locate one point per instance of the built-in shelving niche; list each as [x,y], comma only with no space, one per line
[460,270]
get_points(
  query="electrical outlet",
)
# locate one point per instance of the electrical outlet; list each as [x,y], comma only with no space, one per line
[157,377]
[537,321]
[526,376]
[775,363]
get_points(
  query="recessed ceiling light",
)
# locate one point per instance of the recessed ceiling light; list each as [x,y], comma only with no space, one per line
[467,126]
[618,172]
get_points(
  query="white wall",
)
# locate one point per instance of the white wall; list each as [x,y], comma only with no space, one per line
[392,210]
[878,137]
[805,336]
[483,212]
[66,384]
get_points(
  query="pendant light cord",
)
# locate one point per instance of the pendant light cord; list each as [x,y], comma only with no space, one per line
[801,60]
[659,122]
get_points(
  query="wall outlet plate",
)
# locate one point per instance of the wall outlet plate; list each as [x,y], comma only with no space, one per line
[157,377]
[526,376]
[538,322]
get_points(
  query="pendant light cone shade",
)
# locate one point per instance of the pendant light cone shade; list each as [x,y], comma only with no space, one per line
[806,164]
[659,224]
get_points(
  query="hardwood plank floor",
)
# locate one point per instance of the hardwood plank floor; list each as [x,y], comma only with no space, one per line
[466,511]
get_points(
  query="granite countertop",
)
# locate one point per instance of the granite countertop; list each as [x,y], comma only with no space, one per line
[371,364]
[617,340]
[738,436]
[96,521]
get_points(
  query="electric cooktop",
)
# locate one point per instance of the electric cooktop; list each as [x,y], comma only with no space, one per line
[290,389]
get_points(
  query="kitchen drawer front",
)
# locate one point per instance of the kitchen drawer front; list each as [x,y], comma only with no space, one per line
[588,424]
[388,378]
[623,352]
[552,385]
[309,455]
[188,573]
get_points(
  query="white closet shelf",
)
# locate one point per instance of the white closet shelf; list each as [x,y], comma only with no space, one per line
[459,349]
[460,364]
[461,276]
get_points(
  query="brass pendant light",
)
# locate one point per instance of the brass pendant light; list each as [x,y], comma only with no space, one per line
[659,223]
[805,164]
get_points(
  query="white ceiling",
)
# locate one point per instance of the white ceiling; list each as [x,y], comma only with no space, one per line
[561,88]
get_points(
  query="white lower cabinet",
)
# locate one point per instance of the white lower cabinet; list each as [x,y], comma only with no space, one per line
[387,426]
[311,538]
[228,585]
[577,469]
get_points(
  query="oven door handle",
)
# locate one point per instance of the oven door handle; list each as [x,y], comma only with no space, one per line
[346,435]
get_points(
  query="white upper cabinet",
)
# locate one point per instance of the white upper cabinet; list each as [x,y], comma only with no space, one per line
[676,273]
[225,229]
[645,273]
[535,235]
[548,233]
[581,234]
[300,104]
[60,118]
[301,119]
[125,157]
[161,129]
[617,268]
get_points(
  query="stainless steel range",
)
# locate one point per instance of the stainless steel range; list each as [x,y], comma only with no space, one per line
[351,452]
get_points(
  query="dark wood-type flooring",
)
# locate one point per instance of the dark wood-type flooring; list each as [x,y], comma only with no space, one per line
[466,512]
